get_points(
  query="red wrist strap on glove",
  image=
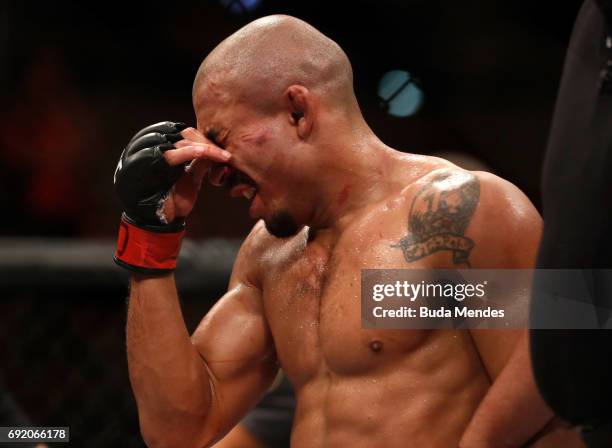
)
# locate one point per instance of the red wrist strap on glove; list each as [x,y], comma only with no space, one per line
[146,251]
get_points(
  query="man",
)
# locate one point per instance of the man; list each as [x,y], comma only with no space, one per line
[278,123]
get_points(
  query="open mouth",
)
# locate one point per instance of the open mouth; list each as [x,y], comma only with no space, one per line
[246,191]
[239,184]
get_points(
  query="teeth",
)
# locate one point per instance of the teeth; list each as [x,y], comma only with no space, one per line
[249,194]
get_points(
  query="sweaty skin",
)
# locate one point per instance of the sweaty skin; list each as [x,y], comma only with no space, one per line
[369,388]
[332,199]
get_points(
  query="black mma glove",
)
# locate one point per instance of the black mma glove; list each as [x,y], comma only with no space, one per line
[148,243]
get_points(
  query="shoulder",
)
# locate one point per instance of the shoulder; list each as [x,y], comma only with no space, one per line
[486,216]
[494,213]
[507,223]
[478,194]
[257,253]
[443,200]
[253,248]
[503,204]
[258,240]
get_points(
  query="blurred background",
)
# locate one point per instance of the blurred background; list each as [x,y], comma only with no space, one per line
[473,81]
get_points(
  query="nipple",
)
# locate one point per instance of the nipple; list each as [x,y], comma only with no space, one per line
[376,346]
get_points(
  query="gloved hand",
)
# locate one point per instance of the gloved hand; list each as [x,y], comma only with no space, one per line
[143,177]
[157,193]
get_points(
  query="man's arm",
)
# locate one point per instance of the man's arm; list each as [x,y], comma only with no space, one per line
[484,222]
[191,390]
[508,231]
[512,411]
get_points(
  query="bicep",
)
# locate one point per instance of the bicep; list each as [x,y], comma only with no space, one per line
[237,349]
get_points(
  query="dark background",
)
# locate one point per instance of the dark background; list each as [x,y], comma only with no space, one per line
[77,80]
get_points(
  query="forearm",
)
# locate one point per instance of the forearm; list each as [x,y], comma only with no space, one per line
[512,411]
[168,377]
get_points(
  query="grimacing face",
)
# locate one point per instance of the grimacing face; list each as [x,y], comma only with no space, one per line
[265,167]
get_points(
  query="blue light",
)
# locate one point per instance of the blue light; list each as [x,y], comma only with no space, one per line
[400,95]
[240,6]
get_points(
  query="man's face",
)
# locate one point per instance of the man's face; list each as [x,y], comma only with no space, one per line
[265,167]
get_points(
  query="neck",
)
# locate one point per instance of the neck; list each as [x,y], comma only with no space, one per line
[357,173]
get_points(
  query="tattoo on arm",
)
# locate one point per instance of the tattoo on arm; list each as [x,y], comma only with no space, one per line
[439,215]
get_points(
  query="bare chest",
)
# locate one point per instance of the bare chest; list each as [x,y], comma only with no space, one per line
[312,296]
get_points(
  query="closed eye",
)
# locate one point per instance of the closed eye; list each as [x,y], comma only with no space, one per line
[213,136]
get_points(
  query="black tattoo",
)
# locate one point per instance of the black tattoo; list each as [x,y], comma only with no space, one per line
[439,215]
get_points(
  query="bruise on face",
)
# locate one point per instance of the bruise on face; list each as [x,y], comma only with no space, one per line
[258,136]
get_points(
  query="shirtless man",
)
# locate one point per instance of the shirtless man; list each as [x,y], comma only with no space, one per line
[278,123]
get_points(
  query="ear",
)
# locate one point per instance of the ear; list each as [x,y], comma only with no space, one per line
[300,107]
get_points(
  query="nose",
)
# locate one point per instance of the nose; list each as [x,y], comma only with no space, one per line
[219,174]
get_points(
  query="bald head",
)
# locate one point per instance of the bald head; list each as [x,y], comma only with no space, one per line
[259,61]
